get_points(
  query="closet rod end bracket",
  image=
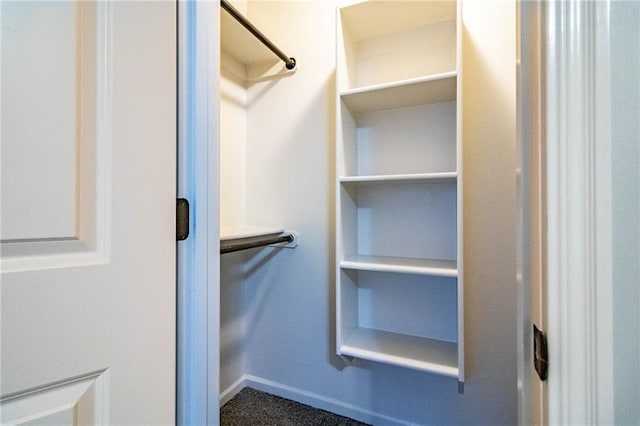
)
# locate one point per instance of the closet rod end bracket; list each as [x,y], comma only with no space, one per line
[292,243]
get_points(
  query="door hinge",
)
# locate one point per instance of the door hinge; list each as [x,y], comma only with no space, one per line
[182,219]
[540,353]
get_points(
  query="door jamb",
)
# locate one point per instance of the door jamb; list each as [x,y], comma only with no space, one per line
[198,278]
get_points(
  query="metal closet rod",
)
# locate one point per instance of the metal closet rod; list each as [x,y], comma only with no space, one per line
[231,247]
[290,62]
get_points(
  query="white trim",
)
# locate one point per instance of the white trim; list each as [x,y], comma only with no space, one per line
[233,390]
[579,221]
[198,355]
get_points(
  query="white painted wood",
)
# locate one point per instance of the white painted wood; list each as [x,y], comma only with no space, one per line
[91,144]
[445,177]
[399,158]
[198,318]
[391,41]
[369,19]
[240,44]
[65,319]
[434,356]
[82,400]
[400,94]
[41,104]
[406,265]
[578,176]
[460,155]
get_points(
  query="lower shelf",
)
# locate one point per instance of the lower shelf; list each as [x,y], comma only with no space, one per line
[418,353]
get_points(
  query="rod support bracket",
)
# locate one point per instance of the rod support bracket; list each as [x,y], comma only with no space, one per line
[295,238]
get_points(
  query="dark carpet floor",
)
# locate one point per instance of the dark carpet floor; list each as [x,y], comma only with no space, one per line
[253,408]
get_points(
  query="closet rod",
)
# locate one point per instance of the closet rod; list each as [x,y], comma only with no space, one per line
[231,247]
[290,62]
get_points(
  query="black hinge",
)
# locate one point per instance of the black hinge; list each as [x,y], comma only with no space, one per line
[182,219]
[540,353]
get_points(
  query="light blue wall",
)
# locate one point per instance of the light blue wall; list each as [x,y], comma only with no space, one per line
[288,306]
[625,50]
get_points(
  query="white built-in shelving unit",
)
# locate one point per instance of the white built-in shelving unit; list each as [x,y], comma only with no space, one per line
[399,185]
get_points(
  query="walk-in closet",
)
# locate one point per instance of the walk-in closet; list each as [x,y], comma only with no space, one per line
[365,161]
[319,212]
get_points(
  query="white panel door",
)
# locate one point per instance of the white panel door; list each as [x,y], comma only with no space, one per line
[87,229]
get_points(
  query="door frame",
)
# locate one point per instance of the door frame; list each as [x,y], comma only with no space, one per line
[577,286]
[578,166]
[198,278]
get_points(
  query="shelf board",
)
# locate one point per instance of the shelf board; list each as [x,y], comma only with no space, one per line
[244,232]
[400,94]
[369,19]
[404,265]
[418,353]
[240,44]
[444,177]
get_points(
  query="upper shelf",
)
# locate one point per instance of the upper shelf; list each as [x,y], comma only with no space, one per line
[240,44]
[369,19]
[399,94]
[244,42]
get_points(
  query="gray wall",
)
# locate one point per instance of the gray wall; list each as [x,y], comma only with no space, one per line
[625,51]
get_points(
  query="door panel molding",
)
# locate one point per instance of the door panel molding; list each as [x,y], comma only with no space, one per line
[77,400]
[88,243]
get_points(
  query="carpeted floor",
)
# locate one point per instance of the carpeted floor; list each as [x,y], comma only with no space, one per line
[253,408]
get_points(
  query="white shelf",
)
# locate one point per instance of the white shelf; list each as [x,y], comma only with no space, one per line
[239,233]
[240,44]
[445,177]
[418,353]
[370,19]
[405,265]
[400,94]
